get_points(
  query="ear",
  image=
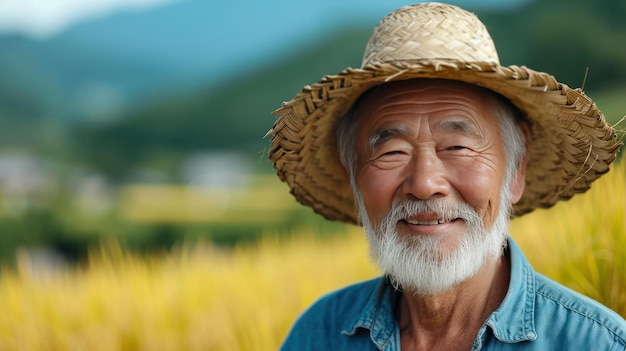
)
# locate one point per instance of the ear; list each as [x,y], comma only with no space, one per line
[519,180]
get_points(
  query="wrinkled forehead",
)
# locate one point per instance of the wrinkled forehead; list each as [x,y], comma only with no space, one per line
[424,94]
[430,88]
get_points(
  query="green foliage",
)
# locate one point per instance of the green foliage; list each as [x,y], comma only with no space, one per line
[561,37]
[565,38]
[62,229]
[42,229]
[234,114]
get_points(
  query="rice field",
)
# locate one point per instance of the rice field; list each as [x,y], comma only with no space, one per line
[199,297]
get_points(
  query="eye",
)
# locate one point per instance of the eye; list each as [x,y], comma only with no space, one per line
[391,149]
[458,150]
[392,153]
[390,159]
[390,156]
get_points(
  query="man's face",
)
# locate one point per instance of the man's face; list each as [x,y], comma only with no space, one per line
[434,147]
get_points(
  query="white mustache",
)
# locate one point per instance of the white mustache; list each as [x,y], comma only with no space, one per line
[401,210]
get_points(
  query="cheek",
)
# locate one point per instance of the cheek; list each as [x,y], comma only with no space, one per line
[479,185]
[377,189]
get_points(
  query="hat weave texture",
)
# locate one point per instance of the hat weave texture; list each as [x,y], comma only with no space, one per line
[571,143]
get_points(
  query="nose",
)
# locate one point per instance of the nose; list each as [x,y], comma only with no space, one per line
[425,177]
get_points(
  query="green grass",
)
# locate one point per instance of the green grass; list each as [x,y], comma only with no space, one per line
[612,103]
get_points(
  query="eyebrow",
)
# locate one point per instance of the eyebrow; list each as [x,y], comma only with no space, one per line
[460,125]
[382,135]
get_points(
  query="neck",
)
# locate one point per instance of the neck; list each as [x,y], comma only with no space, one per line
[442,321]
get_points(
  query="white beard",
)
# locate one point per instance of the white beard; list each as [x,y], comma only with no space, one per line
[418,263]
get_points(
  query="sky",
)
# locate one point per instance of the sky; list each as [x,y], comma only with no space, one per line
[45,18]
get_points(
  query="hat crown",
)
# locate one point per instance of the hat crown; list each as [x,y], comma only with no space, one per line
[430,31]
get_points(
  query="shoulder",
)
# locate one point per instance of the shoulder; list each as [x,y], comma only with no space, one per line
[569,315]
[347,303]
[357,294]
[324,322]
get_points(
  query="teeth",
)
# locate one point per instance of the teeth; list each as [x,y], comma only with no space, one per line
[432,222]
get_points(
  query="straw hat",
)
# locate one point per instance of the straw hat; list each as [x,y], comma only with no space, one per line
[571,146]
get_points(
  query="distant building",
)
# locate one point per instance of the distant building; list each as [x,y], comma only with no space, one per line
[23,183]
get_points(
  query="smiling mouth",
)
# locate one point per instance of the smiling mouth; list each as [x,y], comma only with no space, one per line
[427,222]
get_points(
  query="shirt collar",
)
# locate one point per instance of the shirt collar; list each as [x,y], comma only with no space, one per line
[378,315]
[512,321]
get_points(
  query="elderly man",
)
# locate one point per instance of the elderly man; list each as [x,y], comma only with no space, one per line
[432,146]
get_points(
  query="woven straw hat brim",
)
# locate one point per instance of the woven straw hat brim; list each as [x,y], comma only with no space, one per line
[571,146]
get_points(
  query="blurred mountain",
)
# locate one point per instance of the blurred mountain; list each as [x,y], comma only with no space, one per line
[97,70]
[63,77]
[234,115]
[100,67]
[138,89]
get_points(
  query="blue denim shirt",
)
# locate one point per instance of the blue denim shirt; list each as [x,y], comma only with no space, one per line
[536,314]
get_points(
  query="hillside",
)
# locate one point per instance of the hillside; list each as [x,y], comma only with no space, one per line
[71,99]
[234,115]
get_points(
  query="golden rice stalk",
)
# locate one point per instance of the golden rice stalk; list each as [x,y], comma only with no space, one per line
[582,242]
